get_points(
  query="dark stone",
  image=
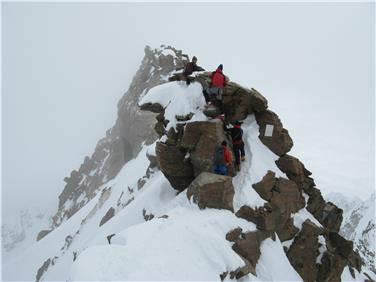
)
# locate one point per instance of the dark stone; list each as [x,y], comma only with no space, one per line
[177,169]
[234,234]
[109,237]
[147,216]
[211,190]
[155,108]
[280,142]
[248,214]
[304,250]
[42,234]
[200,138]
[265,186]
[248,246]
[42,269]
[331,268]
[288,231]
[109,214]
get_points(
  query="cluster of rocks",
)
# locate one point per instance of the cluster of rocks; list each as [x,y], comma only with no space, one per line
[185,158]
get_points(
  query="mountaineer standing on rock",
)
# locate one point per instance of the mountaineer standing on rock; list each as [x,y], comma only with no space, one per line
[190,68]
[222,159]
[237,143]
[218,82]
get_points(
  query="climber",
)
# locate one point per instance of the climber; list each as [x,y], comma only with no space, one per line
[222,159]
[237,143]
[190,68]
[218,82]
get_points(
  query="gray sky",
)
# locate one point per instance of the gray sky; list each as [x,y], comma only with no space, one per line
[65,66]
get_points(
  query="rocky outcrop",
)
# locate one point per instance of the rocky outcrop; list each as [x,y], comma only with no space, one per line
[304,250]
[328,214]
[296,171]
[109,214]
[189,151]
[210,190]
[42,234]
[284,198]
[272,134]
[42,270]
[200,139]
[247,246]
[175,166]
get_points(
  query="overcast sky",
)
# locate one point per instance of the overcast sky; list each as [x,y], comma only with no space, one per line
[65,66]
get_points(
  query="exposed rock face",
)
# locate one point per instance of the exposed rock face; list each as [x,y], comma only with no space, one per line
[212,191]
[284,198]
[42,269]
[109,214]
[247,246]
[200,139]
[123,141]
[304,251]
[296,172]
[176,168]
[42,234]
[189,151]
[276,138]
[328,214]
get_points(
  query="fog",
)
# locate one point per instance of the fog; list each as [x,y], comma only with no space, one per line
[65,66]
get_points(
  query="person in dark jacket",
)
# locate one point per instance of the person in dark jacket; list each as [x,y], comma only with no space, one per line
[190,68]
[237,143]
[218,82]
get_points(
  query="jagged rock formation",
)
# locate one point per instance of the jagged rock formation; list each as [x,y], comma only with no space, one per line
[186,154]
[123,141]
[210,190]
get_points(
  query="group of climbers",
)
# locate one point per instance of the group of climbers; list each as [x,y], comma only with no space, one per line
[213,95]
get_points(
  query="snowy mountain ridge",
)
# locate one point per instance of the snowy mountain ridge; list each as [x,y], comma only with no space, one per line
[139,208]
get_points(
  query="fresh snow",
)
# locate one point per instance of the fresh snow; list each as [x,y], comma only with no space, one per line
[178,99]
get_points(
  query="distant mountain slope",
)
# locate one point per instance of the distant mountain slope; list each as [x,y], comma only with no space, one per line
[359,225]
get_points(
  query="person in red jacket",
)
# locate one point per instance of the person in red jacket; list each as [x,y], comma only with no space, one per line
[218,82]
[222,159]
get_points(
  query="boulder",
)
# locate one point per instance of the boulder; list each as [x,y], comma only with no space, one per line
[330,268]
[288,231]
[248,246]
[42,269]
[328,214]
[200,138]
[272,134]
[234,234]
[296,172]
[248,214]
[109,214]
[173,164]
[42,234]
[304,250]
[265,186]
[286,196]
[152,107]
[210,190]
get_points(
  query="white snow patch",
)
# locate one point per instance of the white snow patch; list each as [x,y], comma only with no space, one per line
[301,216]
[178,99]
[273,264]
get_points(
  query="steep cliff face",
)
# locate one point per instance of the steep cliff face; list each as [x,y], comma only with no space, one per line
[123,141]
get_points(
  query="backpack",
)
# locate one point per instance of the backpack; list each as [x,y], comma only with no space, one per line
[219,155]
